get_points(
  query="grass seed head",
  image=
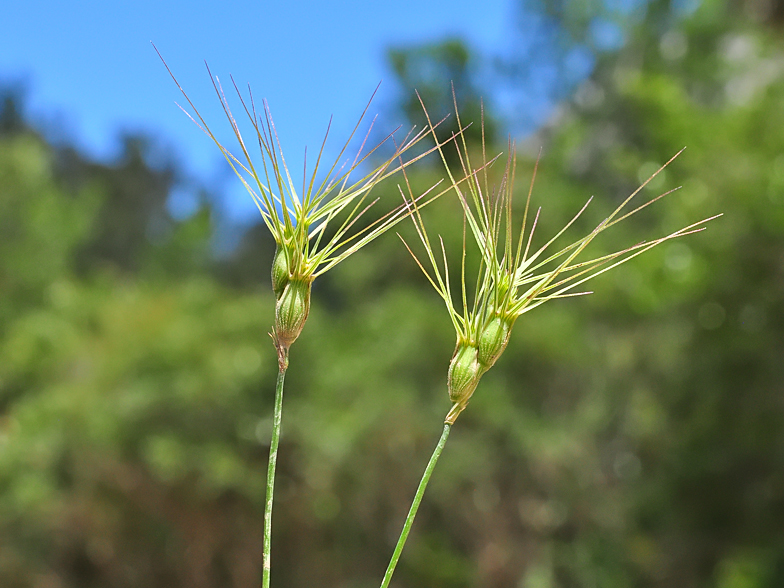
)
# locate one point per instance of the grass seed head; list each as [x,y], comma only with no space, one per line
[513,278]
[315,225]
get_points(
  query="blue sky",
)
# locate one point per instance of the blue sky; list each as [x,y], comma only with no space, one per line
[89,66]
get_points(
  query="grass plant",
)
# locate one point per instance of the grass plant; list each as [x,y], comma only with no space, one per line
[513,278]
[314,230]
[314,227]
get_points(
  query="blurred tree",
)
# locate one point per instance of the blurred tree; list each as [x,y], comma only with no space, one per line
[425,69]
[11,119]
[679,461]
[41,223]
[628,439]
[103,335]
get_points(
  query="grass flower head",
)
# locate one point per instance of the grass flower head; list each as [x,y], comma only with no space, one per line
[314,224]
[513,278]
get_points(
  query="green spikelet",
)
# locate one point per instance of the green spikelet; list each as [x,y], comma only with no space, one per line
[291,311]
[280,272]
[504,284]
[464,373]
[492,341]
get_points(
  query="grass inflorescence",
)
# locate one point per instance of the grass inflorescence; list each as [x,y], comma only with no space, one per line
[513,277]
[315,226]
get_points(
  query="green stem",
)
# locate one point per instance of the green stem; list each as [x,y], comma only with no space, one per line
[283,363]
[415,506]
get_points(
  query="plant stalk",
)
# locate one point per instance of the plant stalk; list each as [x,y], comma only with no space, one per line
[415,506]
[283,364]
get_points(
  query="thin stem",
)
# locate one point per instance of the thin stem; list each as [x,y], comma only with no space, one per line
[283,364]
[415,506]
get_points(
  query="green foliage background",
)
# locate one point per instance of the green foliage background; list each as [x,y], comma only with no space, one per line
[632,438]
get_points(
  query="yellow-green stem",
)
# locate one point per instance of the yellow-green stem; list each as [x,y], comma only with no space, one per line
[283,363]
[415,506]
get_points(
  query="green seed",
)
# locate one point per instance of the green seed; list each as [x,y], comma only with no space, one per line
[503,286]
[280,272]
[464,374]
[492,341]
[291,311]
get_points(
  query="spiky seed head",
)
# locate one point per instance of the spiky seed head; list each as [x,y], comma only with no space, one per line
[280,272]
[464,374]
[291,311]
[315,228]
[493,341]
[512,279]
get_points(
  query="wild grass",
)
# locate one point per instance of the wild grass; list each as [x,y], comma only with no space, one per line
[314,225]
[513,278]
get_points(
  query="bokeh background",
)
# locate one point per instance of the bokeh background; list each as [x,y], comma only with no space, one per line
[631,438]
